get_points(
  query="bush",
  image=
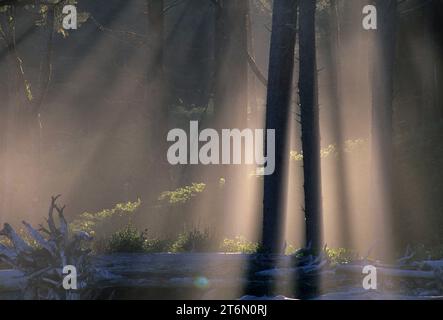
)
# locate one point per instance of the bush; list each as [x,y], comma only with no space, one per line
[128,240]
[193,241]
[340,255]
[157,245]
[239,245]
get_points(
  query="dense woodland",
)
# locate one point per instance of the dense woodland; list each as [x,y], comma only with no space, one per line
[358,116]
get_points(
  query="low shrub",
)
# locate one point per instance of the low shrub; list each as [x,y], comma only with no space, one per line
[239,245]
[341,255]
[194,241]
[128,240]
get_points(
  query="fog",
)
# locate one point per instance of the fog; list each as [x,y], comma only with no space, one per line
[99,135]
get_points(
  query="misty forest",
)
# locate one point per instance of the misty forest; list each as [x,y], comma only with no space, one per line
[91,92]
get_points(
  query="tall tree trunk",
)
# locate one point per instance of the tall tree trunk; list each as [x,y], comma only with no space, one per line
[430,74]
[281,69]
[252,90]
[382,115]
[310,125]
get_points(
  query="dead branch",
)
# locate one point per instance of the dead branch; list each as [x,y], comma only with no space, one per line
[42,263]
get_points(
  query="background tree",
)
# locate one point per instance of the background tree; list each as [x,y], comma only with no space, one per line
[309,111]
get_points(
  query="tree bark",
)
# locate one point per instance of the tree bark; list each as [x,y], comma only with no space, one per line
[281,70]
[310,126]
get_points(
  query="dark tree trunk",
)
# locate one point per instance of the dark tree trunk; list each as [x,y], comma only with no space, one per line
[431,22]
[382,115]
[281,69]
[309,111]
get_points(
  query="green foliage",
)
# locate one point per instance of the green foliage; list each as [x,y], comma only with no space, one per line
[239,245]
[290,250]
[93,222]
[193,241]
[332,150]
[340,255]
[183,194]
[157,245]
[128,240]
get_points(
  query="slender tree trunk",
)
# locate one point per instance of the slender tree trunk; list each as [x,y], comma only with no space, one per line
[382,115]
[310,125]
[253,105]
[429,85]
[281,69]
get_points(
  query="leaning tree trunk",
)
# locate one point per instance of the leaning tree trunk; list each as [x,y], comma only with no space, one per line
[309,111]
[281,69]
[382,114]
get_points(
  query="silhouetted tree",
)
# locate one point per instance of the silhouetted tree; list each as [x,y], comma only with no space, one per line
[281,68]
[309,111]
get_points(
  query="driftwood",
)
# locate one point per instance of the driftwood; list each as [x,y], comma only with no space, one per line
[42,263]
[388,272]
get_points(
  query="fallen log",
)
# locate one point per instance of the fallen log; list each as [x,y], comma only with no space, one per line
[432,264]
[388,272]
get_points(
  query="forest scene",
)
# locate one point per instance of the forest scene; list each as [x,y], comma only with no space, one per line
[221,149]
